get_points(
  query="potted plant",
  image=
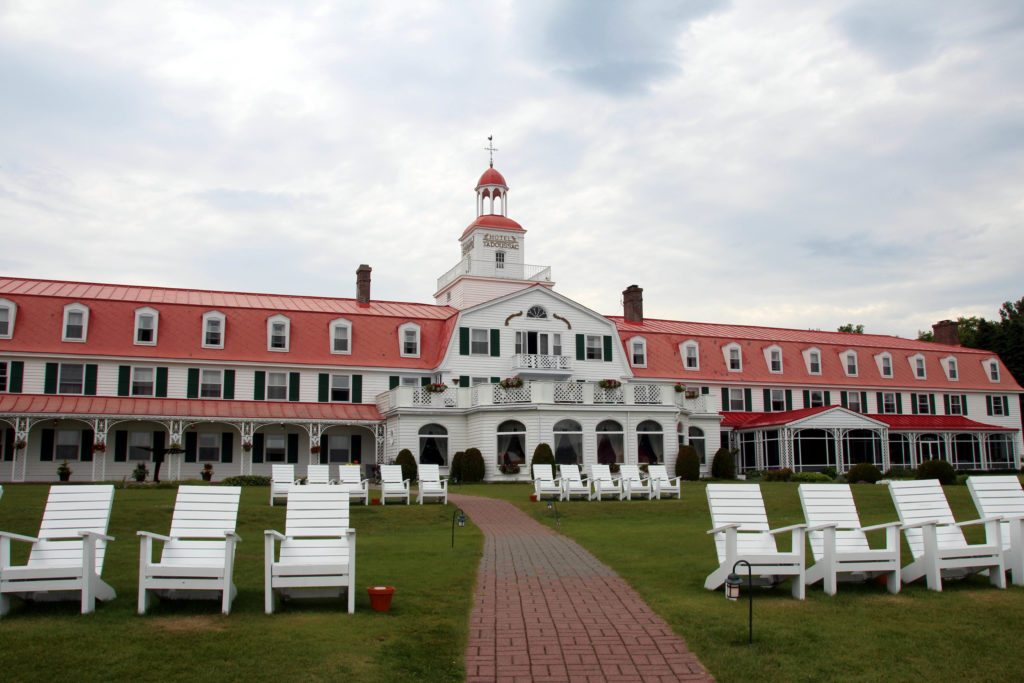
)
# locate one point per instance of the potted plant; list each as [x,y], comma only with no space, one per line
[609,384]
[314,449]
[692,392]
[207,472]
[435,388]
[680,388]
[99,447]
[247,445]
[20,444]
[63,471]
[507,466]
[175,445]
[511,383]
[140,472]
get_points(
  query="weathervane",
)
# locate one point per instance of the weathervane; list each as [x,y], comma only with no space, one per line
[491,148]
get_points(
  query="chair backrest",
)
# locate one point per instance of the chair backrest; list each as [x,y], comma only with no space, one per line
[282,474]
[920,501]
[318,474]
[737,504]
[657,473]
[630,473]
[205,511]
[832,504]
[429,473]
[391,474]
[997,495]
[570,473]
[317,510]
[350,474]
[601,472]
[543,473]
[70,509]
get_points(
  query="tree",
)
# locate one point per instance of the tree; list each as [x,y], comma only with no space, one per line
[850,328]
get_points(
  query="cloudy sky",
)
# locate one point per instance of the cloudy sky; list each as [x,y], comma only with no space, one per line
[793,163]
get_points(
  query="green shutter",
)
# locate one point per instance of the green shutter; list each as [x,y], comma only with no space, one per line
[945,403]
[293,448]
[608,348]
[789,399]
[227,443]
[864,402]
[913,404]
[257,447]
[931,403]
[495,380]
[325,456]
[748,402]
[725,398]
[120,446]
[464,381]
[496,343]
[424,381]
[581,347]
[357,448]
[90,379]
[191,447]
[807,398]
[963,404]
[899,403]
[828,398]
[293,386]
[15,372]
[357,388]
[393,381]
[843,400]
[988,404]
[229,385]
[767,401]
[161,382]
[323,393]
[46,446]
[124,380]
[463,341]
[193,384]
[259,385]
[50,379]
[879,406]
[705,391]
[85,447]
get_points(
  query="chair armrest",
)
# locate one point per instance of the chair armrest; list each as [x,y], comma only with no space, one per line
[270,533]
[406,482]
[297,481]
[18,537]
[930,522]
[791,527]
[983,520]
[876,527]
[724,527]
[233,536]
[674,479]
[97,536]
[350,532]
[1011,518]
[150,534]
[364,482]
[819,527]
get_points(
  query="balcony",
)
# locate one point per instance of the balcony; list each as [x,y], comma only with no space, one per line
[541,366]
[483,268]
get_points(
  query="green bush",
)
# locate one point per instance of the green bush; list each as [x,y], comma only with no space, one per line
[937,469]
[542,455]
[723,466]
[408,464]
[811,478]
[688,463]
[246,480]
[782,474]
[830,472]
[901,473]
[473,466]
[863,472]
[455,469]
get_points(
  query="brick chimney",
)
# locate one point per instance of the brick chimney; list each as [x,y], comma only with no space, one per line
[946,332]
[363,285]
[633,304]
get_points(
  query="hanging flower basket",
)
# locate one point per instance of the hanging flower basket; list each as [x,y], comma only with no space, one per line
[99,447]
[680,388]
[436,388]
[314,449]
[609,384]
[511,383]
[247,446]
[19,444]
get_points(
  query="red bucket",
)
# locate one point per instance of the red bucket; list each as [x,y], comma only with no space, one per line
[380,597]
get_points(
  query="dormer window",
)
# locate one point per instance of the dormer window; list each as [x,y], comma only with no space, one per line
[733,357]
[917,364]
[341,336]
[76,323]
[146,320]
[213,330]
[773,354]
[8,311]
[409,339]
[691,355]
[884,365]
[993,370]
[952,371]
[850,363]
[638,352]
[278,333]
[813,359]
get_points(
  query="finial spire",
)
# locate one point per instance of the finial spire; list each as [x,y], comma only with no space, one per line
[491,148]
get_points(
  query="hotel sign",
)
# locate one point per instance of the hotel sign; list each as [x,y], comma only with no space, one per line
[501,241]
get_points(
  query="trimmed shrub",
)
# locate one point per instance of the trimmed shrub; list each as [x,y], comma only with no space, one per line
[688,463]
[863,472]
[811,478]
[455,469]
[408,464]
[246,480]
[542,455]
[473,466]
[782,474]
[901,473]
[937,469]
[830,472]
[723,466]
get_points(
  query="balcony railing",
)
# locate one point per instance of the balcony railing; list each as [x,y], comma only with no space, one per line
[540,361]
[533,392]
[484,268]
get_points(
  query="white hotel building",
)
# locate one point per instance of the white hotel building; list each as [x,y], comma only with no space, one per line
[98,375]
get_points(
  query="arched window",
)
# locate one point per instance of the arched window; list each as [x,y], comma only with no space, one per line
[278,333]
[8,312]
[568,442]
[511,443]
[536,312]
[966,452]
[76,323]
[147,322]
[814,450]
[610,442]
[696,436]
[1000,451]
[433,445]
[862,445]
[650,443]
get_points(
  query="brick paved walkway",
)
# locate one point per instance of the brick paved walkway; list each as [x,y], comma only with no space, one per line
[546,610]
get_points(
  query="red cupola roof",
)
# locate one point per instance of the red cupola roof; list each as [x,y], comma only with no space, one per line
[493,221]
[491,177]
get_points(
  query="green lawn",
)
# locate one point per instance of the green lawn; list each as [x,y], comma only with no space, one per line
[971,631]
[423,638]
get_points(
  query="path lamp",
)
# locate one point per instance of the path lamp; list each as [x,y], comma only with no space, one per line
[460,517]
[552,506]
[732,592]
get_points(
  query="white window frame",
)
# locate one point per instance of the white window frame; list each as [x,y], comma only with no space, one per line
[217,444]
[769,354]
[207,317]
[959,400]
[684,354]
[341,324]
[68,310]
[923,401]
[598,350]
[913,366]
[736,391]
[72,435]
[1000,405]
[895,404]
[279,320]
[330,388]
[771,401]
[808,353]
[810,398]
[632,352]
[12,315]
[991,366]
[850,396]
[139,439]
[846,356]
[60,371]
[407,327]
[727,353]
[139,314]
[284,385]
[951,368]
[5,375]
[131,387]
[880,360]
[220,382]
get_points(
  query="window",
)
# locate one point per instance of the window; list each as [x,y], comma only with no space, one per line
[275,448]
[341,336]
[277,386]
[71,379]
[650,443]
[8,311]
[734,399]
[568,442]
[3,376]
[733,357]
[67,444]
[1000,451]
[595,348]
[993,370]
[511,443]
[775,360]
[814,362]
[776,400]
[410,381]
[954,404]
[140,446]
[339,448]
[691,359]
[540,343]
[210,383]
[816,398]
[536,312]
[999,404]
[638,352]
[851,363]
[885,365]
[213,330]
[433,445]
[341,388]
[209,447]
[278,333]
[409,334]
[923,404]
[76,323]
[696,437]
[499,260]
[146,326]
[917,363]
[610,449]
[143,382]
[952,372]
[889,404]
[854,403]
[479,342]
[479,380]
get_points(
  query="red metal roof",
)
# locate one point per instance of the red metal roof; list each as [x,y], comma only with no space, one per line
[491,177]
[493,221]
[34,404]
[900,423]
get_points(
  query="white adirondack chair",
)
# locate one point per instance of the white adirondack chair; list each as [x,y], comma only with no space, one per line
[740,527]
[198,558]
[632,483]
[602,484]
[662,484]
[1,492]
[430,484]
[392,485]
[318,549]
[350,478]
[937,541]
[66,560]
[1002,496]
[838,541]
[282,478]
[573,483]
[545,484]
[318,474]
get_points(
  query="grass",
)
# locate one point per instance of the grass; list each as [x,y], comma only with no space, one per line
[971,631]
[422,638]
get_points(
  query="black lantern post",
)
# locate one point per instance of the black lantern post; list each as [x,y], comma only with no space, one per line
[732,592]
[459,517]
[554,507]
